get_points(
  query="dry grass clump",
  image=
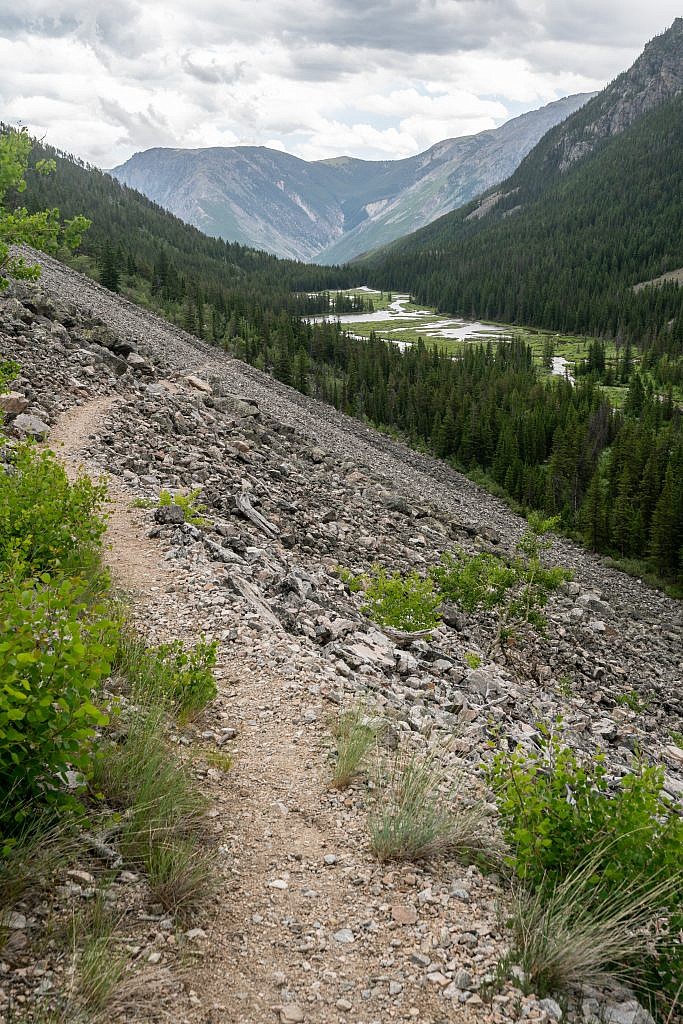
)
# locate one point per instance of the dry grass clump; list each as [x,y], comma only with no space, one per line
[163,812]
[571,933]
[355,734]
[420,813]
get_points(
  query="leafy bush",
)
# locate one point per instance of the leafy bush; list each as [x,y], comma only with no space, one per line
[54,652]
[352,580]
[516,590]
[557,812]
[420,814]
[8,371]
[189,503]
[403,602]
[169,671]
[48,524]
[473,582]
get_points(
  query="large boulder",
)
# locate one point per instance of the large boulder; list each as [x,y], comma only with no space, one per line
[13,403]
[27,425]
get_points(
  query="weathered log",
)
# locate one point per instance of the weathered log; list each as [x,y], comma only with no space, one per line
[255,599]
[247,509]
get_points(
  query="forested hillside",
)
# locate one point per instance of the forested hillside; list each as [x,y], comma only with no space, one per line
[203,284]
[615,478]
[568,259]
[596,208]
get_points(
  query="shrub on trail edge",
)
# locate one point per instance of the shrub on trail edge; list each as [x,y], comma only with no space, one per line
[48,524]
[54,653]
[557,813]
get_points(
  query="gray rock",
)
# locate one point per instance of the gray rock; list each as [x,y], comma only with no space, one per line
[169,515]
[27,425]
[13,403]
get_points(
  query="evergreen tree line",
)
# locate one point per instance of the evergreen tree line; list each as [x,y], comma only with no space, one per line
[614,477]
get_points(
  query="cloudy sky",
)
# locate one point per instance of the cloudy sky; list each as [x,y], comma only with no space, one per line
[314,77]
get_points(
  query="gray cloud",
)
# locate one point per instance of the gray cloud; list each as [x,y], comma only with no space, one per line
[316,77]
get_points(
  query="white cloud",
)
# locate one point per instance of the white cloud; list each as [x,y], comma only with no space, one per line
[314,77]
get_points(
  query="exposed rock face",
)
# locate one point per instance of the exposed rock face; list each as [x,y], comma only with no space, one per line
[655,77]
[331,210]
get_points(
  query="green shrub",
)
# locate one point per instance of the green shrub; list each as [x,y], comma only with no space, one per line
[352,580]
[189,503]
[516,590]
[54,653]
[169,671]
[556,812]
[473,582]
[48,524]
[472,660]
[8,371]
[403,602]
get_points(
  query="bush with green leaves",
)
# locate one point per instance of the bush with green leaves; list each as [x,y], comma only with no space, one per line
[43,229]
[516,589]
[189,503]
[168,672]
[47,523]
[354,581]
[54,653]
[557,811]
[406,602]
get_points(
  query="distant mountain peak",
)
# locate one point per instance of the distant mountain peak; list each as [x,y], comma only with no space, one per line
[331,210]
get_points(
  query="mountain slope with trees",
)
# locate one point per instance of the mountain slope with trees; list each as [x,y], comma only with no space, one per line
[204,284]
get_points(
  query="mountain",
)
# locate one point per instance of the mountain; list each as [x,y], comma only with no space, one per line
[594,209]
[331,210]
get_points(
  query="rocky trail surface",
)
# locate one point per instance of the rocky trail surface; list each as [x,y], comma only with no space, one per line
[306,925]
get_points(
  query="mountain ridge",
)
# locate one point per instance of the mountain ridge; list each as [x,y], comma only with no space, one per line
[330,210]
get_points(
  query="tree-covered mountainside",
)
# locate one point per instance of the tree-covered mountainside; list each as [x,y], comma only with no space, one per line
[596,208]
[331,210]
[156,259]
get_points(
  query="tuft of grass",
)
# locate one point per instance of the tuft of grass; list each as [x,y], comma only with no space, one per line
[163,811]
[355,734]
[180,874]
[30,860]
[167,673]
[222,762]
[573,933]
[99,965]
[419,814]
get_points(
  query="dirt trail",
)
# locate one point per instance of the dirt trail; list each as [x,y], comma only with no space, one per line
[133,559]
[302,929]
